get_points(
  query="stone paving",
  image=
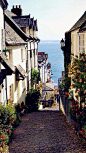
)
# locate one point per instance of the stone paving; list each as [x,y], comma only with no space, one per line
[45,132]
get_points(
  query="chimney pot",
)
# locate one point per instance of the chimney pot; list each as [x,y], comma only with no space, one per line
[17,10]
[20,6]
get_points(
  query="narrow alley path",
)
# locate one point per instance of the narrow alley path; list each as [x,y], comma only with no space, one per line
[45,132]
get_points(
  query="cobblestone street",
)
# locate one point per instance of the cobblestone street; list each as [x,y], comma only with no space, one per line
[45,132]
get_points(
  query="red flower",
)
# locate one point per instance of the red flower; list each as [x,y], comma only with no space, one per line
[76,113]
[81,132]
[73,109]
[76,109]
[2,136]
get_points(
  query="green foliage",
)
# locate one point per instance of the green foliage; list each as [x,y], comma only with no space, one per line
[34,77]
[66,83]
[6,112]
[84,130]
[9,119]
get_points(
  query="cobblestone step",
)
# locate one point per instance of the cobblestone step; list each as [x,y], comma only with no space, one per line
[45,132]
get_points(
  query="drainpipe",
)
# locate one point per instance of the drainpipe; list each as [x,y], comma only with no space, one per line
[27,69]
[31,63]
[6,70]
[37,55]
[34,54]
[6,89]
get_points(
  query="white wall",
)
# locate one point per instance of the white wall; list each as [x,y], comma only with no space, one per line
[1,27]
[18,90]
[1,23]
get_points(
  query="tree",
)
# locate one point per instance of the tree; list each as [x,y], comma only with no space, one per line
[34,77]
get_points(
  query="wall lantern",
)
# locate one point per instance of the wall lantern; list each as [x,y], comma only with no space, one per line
[2,85]
[62,43]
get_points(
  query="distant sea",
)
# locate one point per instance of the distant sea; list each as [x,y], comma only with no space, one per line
[55,57]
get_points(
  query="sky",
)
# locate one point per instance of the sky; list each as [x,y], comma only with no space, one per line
[54,17]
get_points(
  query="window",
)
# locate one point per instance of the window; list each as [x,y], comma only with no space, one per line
[11,92]
[81,43]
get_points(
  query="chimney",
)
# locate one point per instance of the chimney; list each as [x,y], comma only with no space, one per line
[17,10]
[20,6]
[62,73]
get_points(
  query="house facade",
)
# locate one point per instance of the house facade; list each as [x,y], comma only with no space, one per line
[29,26]
[20,55]
[3,6]
[75,44]
[44,67]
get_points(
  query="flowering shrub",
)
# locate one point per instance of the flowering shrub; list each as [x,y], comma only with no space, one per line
[66,82]
[78,75]
[83,131]
[73,112]
[39,87]
[4,139]
[9,119]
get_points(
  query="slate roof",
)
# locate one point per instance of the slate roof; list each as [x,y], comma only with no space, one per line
[4,3]
[12,38]
[22,22]
[12,23]
[10,14]
[42,56]
[26,21]
[6,63]
[49,65]
[79,23]
[83,27]
[21,71]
